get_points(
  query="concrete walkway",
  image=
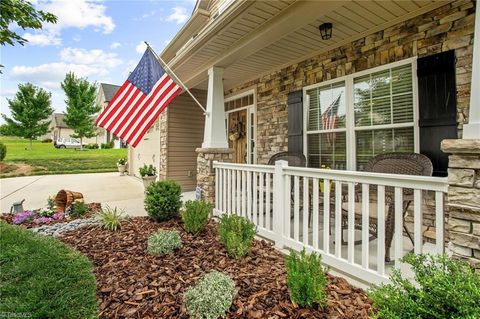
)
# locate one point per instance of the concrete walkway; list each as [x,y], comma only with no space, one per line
[110,189]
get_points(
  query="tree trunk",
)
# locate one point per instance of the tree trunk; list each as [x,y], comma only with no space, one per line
[81,143]
[30,143]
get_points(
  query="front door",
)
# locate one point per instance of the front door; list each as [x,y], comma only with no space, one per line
[238,135]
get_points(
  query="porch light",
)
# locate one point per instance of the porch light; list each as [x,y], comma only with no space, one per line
[326,30]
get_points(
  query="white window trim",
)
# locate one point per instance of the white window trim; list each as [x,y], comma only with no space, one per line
[350,128]
[249,108]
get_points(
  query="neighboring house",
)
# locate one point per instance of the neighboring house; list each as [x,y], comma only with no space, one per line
[395,76]
[105,93]
[59,129]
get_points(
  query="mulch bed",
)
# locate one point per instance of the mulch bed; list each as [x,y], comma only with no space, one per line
[92,209]
[133,284]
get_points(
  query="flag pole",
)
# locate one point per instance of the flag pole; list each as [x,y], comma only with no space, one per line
[176,78]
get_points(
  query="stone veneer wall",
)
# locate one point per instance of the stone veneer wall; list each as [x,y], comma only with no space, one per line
[448,27]
[464,199]
[206,172]
[163,121]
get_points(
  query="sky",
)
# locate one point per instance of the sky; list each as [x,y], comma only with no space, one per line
[98,40]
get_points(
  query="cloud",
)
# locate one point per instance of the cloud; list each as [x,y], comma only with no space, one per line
[43,38]
[166,42]
[179,15]
[145,15]
[141,47]
[71,14]
[84,63]
[79,14]
[115,45]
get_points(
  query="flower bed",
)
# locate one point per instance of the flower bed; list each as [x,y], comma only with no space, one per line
[39,217]
[132,283]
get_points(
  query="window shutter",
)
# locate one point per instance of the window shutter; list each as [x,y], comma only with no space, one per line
[295,121]
[437,106]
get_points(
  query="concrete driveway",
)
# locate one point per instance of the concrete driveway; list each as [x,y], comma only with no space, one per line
[124,192]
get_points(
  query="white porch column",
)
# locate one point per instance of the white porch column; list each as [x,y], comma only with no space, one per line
[472,129]
[215,135]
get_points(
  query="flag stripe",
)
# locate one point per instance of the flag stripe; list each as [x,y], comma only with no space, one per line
[149,107]
[153,118]
[129,101]
[126,114]
[117,103]
[111,104]
[125,101]
[135,120]
[137,109]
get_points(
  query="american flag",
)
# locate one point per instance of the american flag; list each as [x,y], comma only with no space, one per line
[329,118]
[139,101]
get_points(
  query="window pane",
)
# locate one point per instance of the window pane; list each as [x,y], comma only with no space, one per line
[384,97]
[327,107]
[328,150]
[373,142]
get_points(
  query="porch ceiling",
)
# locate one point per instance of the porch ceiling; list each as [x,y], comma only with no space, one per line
[261,36]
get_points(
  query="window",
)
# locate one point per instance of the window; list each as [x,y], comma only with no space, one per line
[359,116]
[326,131]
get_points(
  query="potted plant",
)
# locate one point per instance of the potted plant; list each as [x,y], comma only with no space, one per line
[121,165]
[148,173]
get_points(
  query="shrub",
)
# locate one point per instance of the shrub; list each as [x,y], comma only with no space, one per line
[196,215]
[47,140]
[164,242]
[79,208]
[445,288]
[306,279]
[122,161]
[3,151]
[110,218]
[162,200]
[149,170]
[43,277]
[92,146]
[107,145]
[211,297]
[236,234]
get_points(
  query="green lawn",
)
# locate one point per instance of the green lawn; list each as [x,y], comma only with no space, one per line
[44,159]
[42,277]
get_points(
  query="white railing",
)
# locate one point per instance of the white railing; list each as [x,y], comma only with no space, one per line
[313,208]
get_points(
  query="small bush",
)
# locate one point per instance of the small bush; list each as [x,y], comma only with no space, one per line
[211,297]
[79,208]
[162,200]
[41,277]
[92,146]
[196,215]
[122,161]
[110,218]
[236,234]
[306,279]
[3,151]
[107,145]
[164,242]
[445,288]
[47,140]
[149,170]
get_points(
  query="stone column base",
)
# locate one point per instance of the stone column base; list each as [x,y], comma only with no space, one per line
[206,172]
[464,199]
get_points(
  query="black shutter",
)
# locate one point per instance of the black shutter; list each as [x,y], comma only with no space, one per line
[437,106]
[295,122]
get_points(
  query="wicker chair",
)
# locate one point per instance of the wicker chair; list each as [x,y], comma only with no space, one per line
[293,159]
[392,163]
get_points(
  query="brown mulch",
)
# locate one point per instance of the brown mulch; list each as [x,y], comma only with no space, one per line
[92,209]
[133,284]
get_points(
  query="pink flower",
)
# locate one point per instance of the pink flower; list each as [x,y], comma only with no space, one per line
[58,216]
[23,216]
[42,220]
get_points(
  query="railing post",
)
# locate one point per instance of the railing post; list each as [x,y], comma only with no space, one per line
[279,209]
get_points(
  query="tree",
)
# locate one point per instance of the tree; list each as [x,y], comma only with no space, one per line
[21,13]
[81,106]
[30,108]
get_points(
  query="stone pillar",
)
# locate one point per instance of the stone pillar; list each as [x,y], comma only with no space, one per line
[206,172]
[464,199]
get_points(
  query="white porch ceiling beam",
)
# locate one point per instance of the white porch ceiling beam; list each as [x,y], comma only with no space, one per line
[291,19]
[472,129]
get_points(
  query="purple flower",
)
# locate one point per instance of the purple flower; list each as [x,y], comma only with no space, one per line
[21,217]
[58,216]
[42,220]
